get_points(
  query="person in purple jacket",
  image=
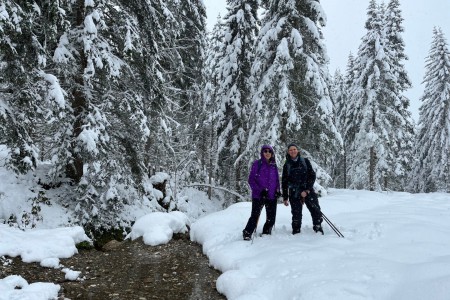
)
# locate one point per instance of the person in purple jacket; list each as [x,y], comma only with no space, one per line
[264,182]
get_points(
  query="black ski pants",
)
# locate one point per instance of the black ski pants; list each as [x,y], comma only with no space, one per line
[271,212]
[312,203]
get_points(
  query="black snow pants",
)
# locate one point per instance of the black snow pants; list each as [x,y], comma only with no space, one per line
[271,212]
[312,203]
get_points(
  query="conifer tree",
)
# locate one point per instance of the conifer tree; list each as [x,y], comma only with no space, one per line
[233,90]
[208,145]
[397,178]
[378,109]
[187,81]
[291,101]
[395,43]
[154,59]
[29,97]
[107,117]
[339,97]
[97,79]
[431,169]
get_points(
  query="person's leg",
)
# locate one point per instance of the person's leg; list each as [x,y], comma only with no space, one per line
[257,206]
[296,210]
[312,203]
[271,212]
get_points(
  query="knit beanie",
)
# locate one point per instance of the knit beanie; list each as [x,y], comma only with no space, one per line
[292,145]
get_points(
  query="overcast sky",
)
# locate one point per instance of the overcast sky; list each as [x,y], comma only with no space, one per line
[345,28]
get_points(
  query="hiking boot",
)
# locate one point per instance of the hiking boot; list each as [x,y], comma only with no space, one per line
[318,228]
[295,231]
[246,235]
[267,230]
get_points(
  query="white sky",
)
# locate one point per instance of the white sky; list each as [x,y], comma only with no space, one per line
[395,247]
[345,29]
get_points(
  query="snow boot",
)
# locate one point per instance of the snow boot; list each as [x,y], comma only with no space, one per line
[247,236]
[267,230]
[318,228]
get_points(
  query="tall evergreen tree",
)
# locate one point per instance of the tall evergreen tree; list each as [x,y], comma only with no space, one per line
[395,44]
[378,110]
[339,97]
[106,118]
[29,97]
[183,62]
[397,178]
[208,145]
[93,84]
[431,169]
[345,120]
[291,101]
[233,93]
[154,59]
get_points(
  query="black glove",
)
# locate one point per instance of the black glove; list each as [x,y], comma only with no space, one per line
[277,195]
[264,194]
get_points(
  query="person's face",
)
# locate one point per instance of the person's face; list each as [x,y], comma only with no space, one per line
[267,153]
[293,151]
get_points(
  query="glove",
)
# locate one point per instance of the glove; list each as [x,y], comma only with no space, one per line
[277,195]
[264,194]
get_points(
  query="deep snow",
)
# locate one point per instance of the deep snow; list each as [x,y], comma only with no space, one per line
[396,246]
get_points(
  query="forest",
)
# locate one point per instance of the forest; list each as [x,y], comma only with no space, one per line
[103,102]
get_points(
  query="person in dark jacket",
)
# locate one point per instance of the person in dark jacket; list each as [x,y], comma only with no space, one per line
[297,183]
[264,182]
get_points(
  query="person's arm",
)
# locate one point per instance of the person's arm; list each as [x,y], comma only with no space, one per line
[278,189]
[311,176]
[278,183]
[252,178]
[284,182]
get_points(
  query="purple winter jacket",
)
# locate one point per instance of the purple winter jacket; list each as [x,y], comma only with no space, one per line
[267,178]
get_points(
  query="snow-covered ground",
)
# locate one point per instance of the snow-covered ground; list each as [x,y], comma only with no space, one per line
[396,246]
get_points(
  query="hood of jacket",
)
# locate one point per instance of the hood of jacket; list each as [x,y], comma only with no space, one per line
[264,147]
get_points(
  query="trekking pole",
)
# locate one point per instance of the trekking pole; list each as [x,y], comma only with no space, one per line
[339,234]
[254,231]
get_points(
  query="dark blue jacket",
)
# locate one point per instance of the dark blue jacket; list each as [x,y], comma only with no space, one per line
[296,176]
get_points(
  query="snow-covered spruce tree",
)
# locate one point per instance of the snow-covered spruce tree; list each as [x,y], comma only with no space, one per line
[338,91]
[233,90]
[107,117]
[291,101]
[395,44]
[397,178]
[207,146]
[152,59]
[344,111]
[431,167]
[378,111]
[186,76]
[189,45]
[29,97]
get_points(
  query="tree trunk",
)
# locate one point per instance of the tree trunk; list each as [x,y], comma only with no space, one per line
[372,158]
[74,169]
[210,167]
[345,168]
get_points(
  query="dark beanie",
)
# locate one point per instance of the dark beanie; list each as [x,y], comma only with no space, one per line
[292,144]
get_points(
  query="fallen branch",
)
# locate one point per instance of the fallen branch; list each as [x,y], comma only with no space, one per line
[219,188]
